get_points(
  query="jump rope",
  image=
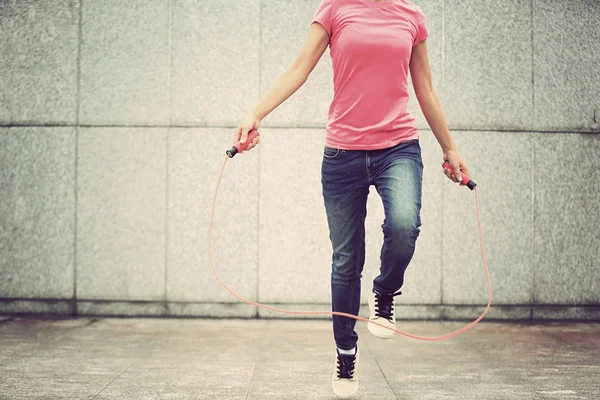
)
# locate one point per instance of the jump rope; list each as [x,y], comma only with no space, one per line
[466,181]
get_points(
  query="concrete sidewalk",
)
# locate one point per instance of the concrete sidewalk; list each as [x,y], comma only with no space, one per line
[279,359]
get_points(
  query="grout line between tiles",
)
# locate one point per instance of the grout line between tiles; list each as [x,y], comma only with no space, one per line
[258,162]
[168,136]
[76,159]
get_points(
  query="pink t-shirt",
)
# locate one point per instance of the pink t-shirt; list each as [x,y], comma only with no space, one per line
[370,47]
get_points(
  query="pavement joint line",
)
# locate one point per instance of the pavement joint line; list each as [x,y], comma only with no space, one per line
[259,345]
[114,379]
[251,379]
[133,362]
[380,370]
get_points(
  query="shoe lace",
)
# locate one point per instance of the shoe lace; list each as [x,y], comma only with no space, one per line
[345,366]
[384,304]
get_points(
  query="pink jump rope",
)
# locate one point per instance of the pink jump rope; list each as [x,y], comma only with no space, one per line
[466,181]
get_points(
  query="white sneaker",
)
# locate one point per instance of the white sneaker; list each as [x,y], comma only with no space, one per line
[381,306]
[345,375]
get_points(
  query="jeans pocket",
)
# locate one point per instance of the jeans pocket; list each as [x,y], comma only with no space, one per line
[330,152]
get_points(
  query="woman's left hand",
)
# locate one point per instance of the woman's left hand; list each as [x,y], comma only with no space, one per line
[457,164]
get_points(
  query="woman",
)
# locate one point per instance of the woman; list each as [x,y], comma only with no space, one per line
[370,140]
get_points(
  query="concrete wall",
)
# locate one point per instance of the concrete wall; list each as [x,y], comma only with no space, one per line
[115,115]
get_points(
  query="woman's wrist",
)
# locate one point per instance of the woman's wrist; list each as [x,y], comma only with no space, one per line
[448,150]
[256,114]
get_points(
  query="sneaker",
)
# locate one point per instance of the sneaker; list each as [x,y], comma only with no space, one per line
[345,375]
[381,306]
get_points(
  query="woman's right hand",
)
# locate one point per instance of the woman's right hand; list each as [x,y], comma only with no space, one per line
[250,122]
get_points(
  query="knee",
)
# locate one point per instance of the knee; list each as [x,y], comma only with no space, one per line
[402,227]
[345,268]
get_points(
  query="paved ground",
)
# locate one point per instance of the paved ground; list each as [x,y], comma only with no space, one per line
[272,359]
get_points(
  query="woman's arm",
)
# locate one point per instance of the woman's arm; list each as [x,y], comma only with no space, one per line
[287,84]
[430,105]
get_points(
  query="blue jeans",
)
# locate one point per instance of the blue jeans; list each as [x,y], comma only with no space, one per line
[346,176]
